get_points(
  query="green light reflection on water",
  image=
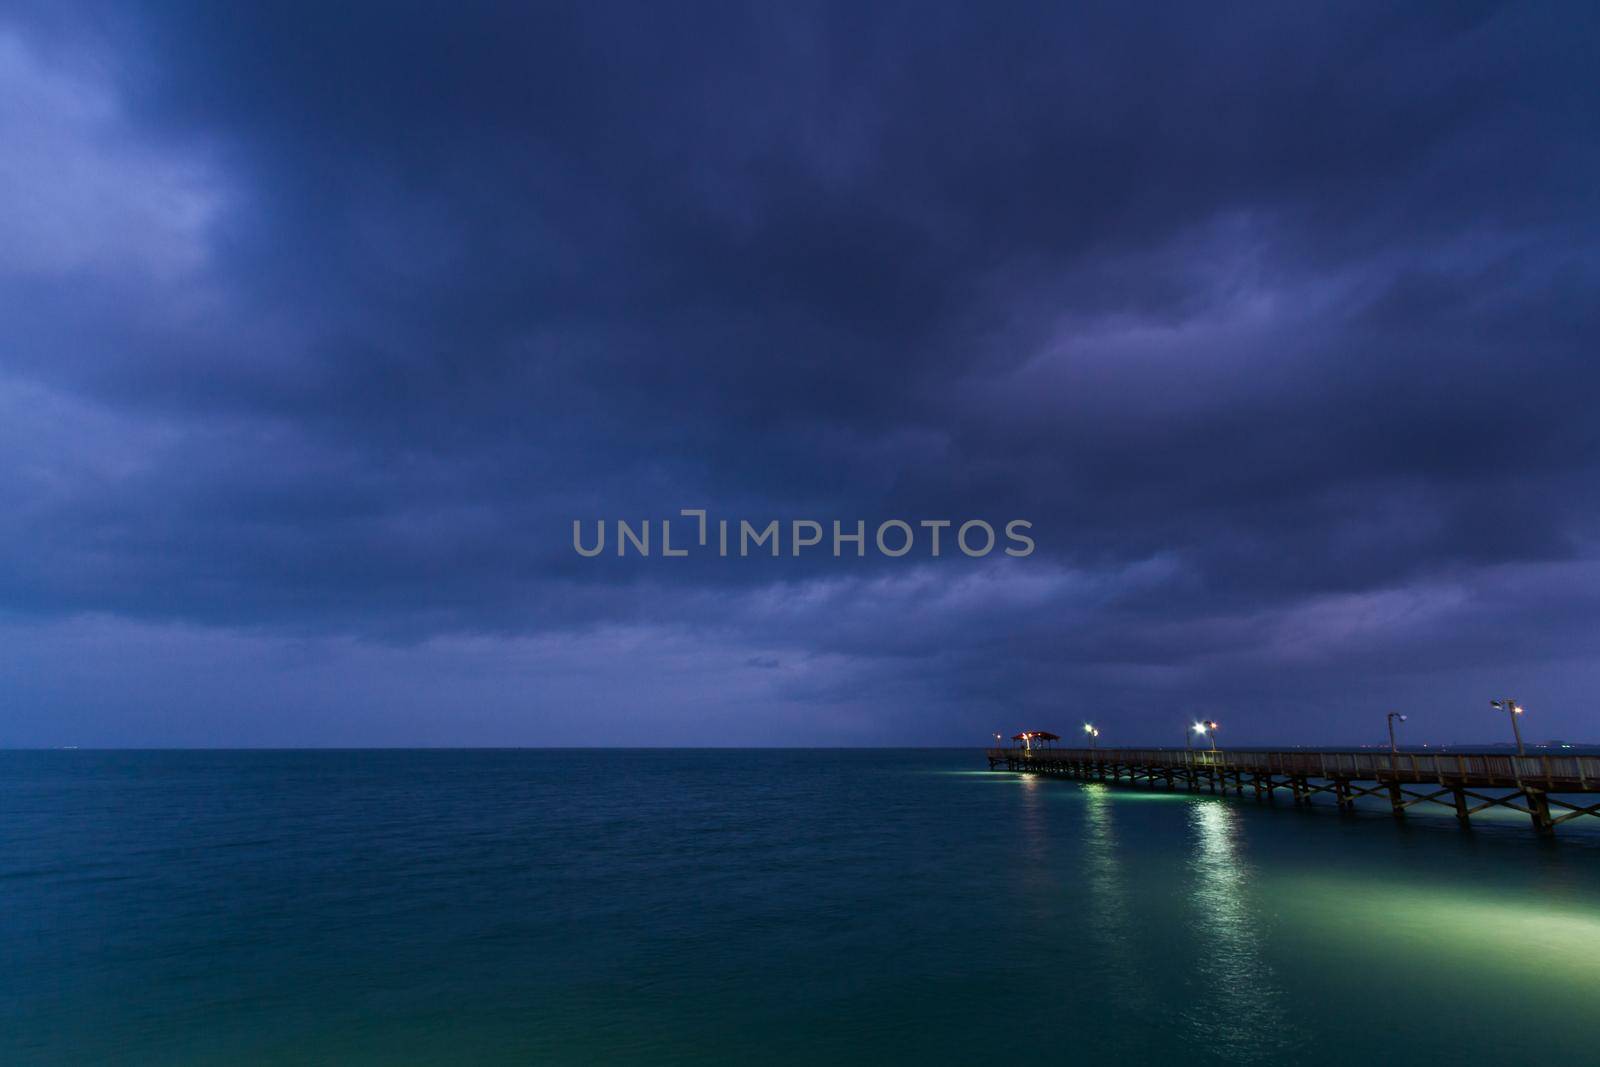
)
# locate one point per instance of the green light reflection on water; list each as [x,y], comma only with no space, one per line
[1244,1015]
[1493,929]
[1124,795]
[998,776]
[1281,929]
[1110,905]
[1436,941]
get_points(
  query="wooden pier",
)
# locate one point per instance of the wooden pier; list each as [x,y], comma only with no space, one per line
[1537,786]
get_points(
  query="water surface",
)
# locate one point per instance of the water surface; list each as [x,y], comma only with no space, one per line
[788,906]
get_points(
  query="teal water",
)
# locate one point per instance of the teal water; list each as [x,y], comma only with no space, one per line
[779,906]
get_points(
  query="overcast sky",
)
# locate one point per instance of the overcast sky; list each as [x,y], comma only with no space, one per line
[321,323]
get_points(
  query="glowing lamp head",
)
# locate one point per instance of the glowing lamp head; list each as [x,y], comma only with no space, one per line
[1199,727]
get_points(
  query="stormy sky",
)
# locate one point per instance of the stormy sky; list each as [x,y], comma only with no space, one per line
[321,323]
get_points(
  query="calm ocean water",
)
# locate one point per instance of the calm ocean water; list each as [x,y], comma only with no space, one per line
[778,906]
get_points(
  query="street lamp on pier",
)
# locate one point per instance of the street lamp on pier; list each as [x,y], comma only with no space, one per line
[1392,716]
[1513,709]
[1208,728]
[1093,733]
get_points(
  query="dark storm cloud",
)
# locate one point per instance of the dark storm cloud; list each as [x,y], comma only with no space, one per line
[1279,324]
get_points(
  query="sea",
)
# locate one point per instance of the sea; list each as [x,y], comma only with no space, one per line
[767,906]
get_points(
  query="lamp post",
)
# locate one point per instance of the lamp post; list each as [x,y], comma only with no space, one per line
[1089,729]
[1208,729]
[1513,709]
[1394,750]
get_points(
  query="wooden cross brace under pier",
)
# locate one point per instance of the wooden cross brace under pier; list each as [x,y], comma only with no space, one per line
[1530,801]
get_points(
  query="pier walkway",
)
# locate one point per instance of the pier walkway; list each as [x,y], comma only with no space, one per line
[1548,789]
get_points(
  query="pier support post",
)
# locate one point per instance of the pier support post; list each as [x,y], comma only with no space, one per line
[1396,801]
[1539,805]
[1463,816]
